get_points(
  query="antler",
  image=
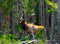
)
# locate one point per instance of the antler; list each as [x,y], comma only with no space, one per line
[21,17]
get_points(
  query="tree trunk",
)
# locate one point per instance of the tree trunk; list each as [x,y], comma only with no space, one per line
[12,22]
[47,20]
[40,12]
[58,21]
[1,20]
[52,28]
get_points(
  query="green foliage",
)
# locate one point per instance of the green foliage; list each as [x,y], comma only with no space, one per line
[28,6]
[53,6]
[36,10]
[40,35]
[12,39]
[51,10]
[6,5]
[25,38]
[8,39]
[18,27]
[41,42]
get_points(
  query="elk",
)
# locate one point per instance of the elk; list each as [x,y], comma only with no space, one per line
[26,26]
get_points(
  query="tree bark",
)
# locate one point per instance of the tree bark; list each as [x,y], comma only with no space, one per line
[58,21]
[47,24]
[1,20]
[40,12]
[12,22]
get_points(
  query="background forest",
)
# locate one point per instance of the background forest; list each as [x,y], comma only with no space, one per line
[44,13]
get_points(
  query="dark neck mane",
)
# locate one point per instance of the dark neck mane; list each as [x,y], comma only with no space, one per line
[24,26]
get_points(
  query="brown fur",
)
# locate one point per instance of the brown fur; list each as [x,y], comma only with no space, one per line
[26,26]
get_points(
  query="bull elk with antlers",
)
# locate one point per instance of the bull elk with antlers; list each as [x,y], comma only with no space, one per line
[26,26]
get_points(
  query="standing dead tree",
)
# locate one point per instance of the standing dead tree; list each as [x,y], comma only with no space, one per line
[58,21]
[1,20]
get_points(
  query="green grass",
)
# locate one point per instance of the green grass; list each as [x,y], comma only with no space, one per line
[12,39]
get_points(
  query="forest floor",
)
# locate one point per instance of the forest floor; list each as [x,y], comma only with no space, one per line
[35,41]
